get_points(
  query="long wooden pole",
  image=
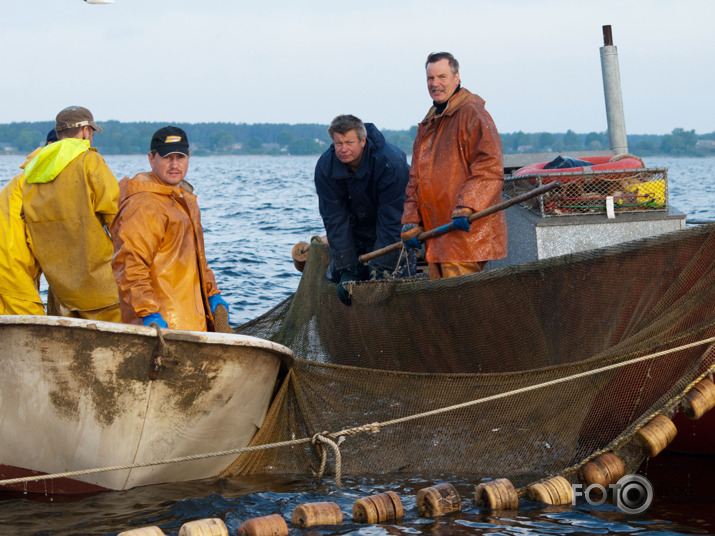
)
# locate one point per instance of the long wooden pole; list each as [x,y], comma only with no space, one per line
[474,217]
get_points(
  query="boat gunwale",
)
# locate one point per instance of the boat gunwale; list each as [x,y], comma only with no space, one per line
[226,339]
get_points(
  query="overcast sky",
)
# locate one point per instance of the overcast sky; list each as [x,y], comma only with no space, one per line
[535,62]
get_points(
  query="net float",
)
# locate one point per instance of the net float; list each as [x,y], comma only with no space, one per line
[378,508]
[143,531]
[204,527]
[555,491]
[438,500]
[607,469]
[317,513]
[498,494]
[300,255]
[656,435]
[271,525]
[699,400]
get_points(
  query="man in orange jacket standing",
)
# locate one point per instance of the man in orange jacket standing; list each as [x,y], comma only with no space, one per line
[456,170]
[159,261]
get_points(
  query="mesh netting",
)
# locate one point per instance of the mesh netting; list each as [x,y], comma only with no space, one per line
[550,342]
[590,192]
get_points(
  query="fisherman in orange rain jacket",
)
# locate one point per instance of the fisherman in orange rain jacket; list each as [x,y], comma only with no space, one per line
[456,170]
[159,261]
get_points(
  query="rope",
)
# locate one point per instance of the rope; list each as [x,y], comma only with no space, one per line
[403,254]
[161,355]
[151,464]
[163,348]
[374,427]
[322,439]
[621,156]
[319,440]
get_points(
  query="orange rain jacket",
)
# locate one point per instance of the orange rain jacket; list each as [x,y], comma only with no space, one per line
[159,261]
[457,161]
[19,269]
[70,199]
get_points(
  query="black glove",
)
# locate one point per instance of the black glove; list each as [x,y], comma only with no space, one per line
[343,294]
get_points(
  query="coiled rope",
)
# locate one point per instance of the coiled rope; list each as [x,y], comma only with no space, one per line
[325,438]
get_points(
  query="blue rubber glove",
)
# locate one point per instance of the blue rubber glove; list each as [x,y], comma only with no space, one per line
[155,317]
[215,301]
[343,293]
[462,224]
[412,243]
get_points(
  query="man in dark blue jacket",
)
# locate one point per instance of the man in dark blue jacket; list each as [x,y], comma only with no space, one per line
[361,183]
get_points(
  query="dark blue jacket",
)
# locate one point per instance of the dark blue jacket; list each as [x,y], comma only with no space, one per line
[361,211]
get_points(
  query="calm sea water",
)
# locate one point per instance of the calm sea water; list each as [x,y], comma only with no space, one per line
[254,209]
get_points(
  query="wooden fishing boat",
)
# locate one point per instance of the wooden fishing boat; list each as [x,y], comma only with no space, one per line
[77,395]
[545,364]
[591,327]
[589,227]
[577,348]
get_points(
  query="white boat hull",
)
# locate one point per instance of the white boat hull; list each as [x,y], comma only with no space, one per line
[76,395]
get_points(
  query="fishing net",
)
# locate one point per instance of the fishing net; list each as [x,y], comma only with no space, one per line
[548,350]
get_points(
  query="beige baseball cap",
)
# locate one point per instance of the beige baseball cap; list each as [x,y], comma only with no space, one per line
[75,117]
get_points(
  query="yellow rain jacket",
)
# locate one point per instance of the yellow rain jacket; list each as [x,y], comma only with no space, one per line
[70,199]
[19,270]
[159,261]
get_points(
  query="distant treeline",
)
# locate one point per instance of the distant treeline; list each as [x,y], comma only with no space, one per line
[312,139]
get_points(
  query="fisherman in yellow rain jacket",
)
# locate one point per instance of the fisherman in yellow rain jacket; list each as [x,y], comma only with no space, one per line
[70,200]
[19,269]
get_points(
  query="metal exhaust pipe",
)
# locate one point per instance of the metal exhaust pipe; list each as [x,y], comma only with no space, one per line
[612,92]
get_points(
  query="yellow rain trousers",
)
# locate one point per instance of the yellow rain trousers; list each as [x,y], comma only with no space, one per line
[70,200]
[19,270]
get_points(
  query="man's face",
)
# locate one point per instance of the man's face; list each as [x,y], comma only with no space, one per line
[441,82]
[348,148]
[170,169]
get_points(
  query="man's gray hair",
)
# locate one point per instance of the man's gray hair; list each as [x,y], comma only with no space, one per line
[439,56]
[343,124]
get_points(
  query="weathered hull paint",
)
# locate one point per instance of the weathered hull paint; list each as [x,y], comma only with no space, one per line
[76,394]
